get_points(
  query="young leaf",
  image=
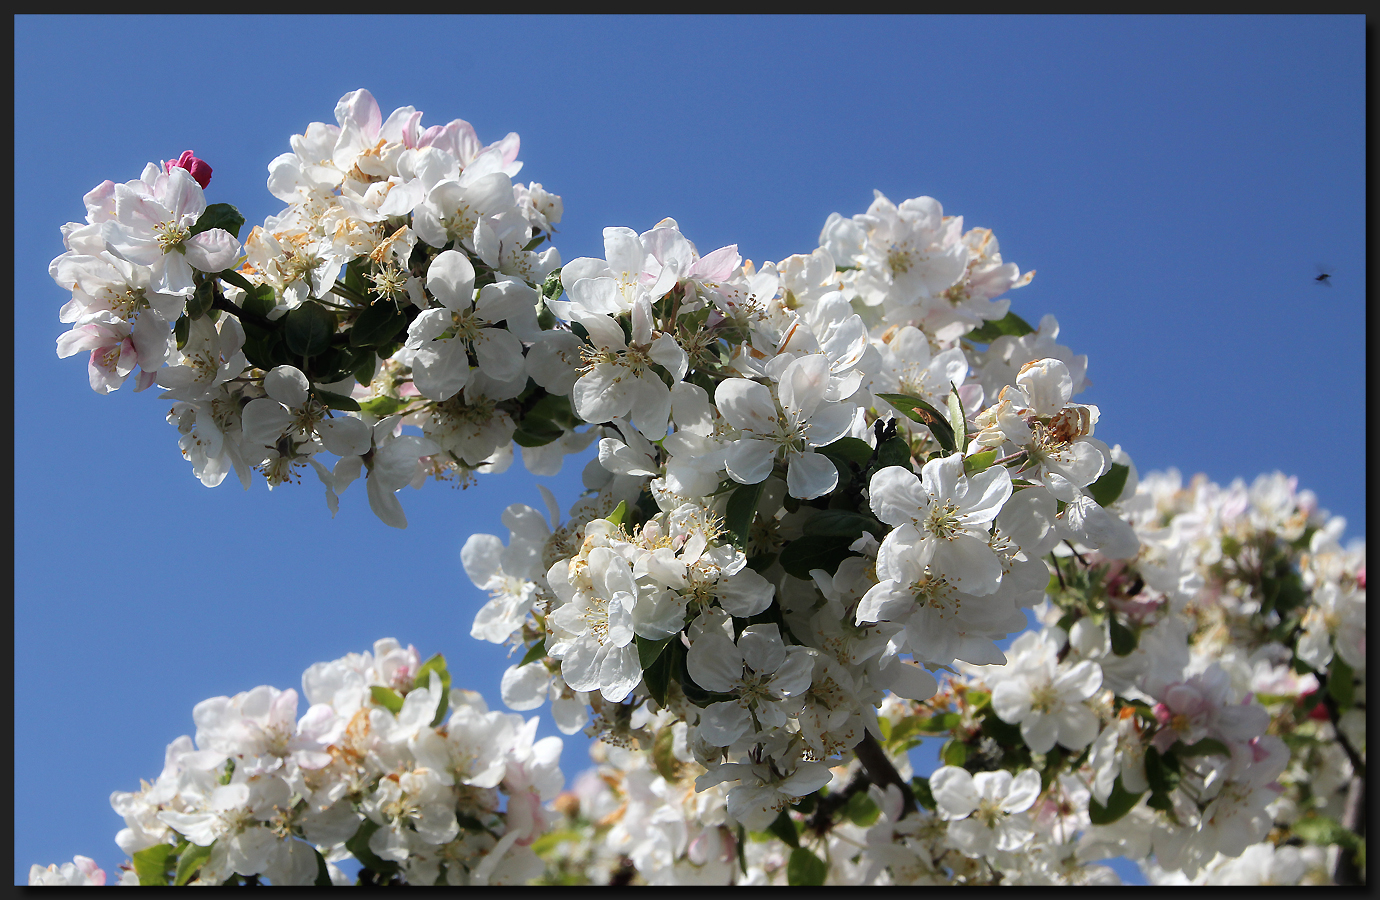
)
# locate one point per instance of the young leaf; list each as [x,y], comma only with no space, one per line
[1341,683]
[814,551]
[386,697]
[954,753]
[663,755]
[382,407]
[336,401]
[619,512]
[377,324]
[189,863]
[958,420]
[436,664]
[979,462]
[151,864]
[534,653]
[918,410]
[648,651]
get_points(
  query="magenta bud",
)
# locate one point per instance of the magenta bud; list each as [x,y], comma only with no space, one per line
[199,169]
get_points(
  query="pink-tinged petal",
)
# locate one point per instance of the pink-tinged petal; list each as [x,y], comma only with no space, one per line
[716,266]
[811,475]
[182,197]
[362,109]
[450,279]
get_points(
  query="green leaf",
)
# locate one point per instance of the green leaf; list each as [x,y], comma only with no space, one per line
[377,324]
[849,449]
[535,431]
[151,864]
[201,300]
[957,419]
[861,810]
[219,215]
[386,697]
[180,329]
[1203,747]
[954,753]
[382,407]
[1011,324]
[648,650]
[359,848]
[1119,803]
[436,664]
[189,863]
[323,872]
[784,828]
[894,452]
[742,849]
[534,653]
[918,410]
[258,300]
[920,787]
[619,512]
[813,551]
[551,288]
[1106,489]
[1124,640]
[657,675]
[741,510]
[1162,772]
[1341,682]
[336,401]
[804,868]
[308,329]
[979,462]
[1322,830]
[663,755]
[842,523]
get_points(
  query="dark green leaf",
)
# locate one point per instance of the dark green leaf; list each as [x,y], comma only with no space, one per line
[1162,772]
[784,828]
[979,462]
[336,401]
[535,652]
[920,787]
[1106,489]
[1011,324]
[742,849]
[190,861]
[804,868]
[658,674]
[1119,803]
[200,302]
[323,872]
[386,697]
[555,407]
[152,864]
[180,328]
[815,552]
[958,419]
[308,329]
[1341,682]
[761,562]
[849,449]
[842,523]
[219,215]
[359,848]
[377,324]
[649,650]
[1124,640]
[918,410]
[894,452]
[741,510]
[537,432]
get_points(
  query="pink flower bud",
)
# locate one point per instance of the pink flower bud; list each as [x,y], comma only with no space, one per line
[200,171]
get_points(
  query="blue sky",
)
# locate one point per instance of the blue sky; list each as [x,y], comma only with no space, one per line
[1173,181]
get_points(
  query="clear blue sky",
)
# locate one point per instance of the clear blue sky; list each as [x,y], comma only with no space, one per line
[1173,181]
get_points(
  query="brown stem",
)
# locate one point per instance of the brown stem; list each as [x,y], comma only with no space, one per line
[823,818]
[1353,819]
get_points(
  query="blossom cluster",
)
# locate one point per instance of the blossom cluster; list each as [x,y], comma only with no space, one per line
[415,781]
[822,483]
